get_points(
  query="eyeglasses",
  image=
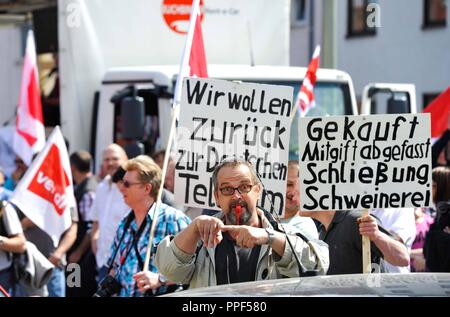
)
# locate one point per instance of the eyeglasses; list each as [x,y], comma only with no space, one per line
[242,189]
[128,184]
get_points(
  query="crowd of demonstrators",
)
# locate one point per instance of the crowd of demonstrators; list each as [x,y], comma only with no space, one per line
[192,248]
[140,188]
[85,184]
[238,244]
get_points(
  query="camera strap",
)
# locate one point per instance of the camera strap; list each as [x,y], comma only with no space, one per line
[134,242]
[110,263]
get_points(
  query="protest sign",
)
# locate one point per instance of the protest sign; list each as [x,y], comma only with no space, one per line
[362,162]
[220,119]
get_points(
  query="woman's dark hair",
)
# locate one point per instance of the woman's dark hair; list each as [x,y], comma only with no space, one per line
[441,176]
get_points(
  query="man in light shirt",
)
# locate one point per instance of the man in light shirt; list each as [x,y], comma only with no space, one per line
[108,208]
[401,223]
[305,225]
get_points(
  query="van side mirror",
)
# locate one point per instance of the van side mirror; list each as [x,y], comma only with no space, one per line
[133,120]
[398,104]
[133,117]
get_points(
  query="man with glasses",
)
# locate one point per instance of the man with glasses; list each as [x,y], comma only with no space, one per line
[238,244]
[140,187]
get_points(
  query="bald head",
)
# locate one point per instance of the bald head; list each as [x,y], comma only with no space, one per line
[292,190]
[113,157]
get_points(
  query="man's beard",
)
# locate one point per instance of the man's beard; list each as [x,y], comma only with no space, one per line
[244,215]
[293,208]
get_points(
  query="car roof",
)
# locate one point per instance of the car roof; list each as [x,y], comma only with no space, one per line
[164,74]
[371,285]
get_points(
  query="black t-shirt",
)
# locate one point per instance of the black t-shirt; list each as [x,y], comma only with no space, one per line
[345,244]
[234,264]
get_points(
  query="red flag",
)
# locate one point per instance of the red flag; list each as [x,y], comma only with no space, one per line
[439,109]
[197,58]
[45,192]
[193,62]
[29,137]
[305,97]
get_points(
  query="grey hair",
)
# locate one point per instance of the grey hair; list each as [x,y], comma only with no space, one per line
[233,162]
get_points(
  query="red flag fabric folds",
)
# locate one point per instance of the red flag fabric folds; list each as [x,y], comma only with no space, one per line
[29,137]
[45,192]
[439,109]
[305,97]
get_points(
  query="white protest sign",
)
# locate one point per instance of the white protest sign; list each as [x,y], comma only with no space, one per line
[362,162]
[220,119]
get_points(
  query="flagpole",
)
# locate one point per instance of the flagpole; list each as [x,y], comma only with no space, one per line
[161,188]
[176,110]
[367,265]
[186,53]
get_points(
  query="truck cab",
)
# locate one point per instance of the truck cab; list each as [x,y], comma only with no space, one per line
[154,86]
[381,98]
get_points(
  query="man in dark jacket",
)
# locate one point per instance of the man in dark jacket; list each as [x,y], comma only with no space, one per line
[80,252]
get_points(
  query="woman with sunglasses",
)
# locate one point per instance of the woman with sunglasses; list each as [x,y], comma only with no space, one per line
[139,188]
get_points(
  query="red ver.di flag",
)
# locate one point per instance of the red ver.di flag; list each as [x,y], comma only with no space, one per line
[29,137]
[45,193]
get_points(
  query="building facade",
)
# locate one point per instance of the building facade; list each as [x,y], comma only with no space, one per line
[401,41]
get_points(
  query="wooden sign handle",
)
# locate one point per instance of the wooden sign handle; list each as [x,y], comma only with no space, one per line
[366,249]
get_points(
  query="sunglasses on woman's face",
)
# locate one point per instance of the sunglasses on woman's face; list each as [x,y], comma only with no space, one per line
[128,184]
